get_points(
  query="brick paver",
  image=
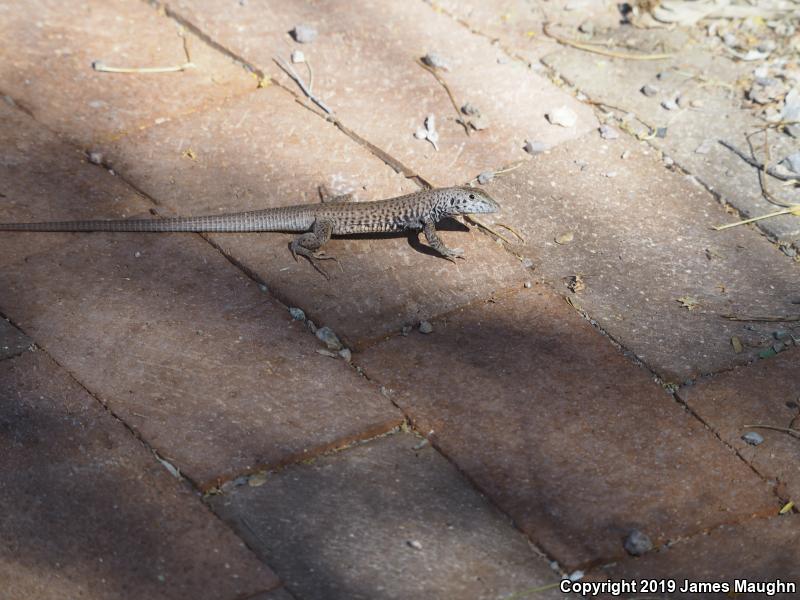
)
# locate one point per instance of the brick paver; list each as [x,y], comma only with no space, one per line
[653,273]
[49,48]
[89,513]
[386,519]
[759,551]
[711,78]
[364,67]
[12,340]
[577,444]
[264,150]
[179,343]
[766,393]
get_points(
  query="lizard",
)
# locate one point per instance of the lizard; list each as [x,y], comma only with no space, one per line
[316,223]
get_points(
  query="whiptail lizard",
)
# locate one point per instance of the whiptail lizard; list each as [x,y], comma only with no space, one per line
[419,210]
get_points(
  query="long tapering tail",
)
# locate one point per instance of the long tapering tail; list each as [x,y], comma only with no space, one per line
[262,220]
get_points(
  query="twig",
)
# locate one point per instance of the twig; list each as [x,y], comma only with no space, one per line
[792,209]
[595,50]
[299,81]
[792,432]
[101,67]
[762,180]
[450,95]
[484,226]
[758,165]
[763,319]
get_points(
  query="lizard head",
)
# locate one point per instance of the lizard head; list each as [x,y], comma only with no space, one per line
[467,201]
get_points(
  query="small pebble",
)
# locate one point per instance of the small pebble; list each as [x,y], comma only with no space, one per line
[257,480]
[414,544]
[563,116]
[637,543]
[649,90]
[696,103]
[485,177]
[346,354]
[421,133]
[608,133]
[576,576]
[96,158]
[527,263]
[470,110]
[425,327]
[661,132]
[753,438]
[326,335]
[625,155]
[432,59]
[405,330]
[534,147]
[611,174]
[297,313]
[663,75]
[586,27]
[792,162]
[565,238]
[137,254]
[527,285]
[304,34]
[298,57]
[705,147]
[312,327]
[778,347]
[670,104]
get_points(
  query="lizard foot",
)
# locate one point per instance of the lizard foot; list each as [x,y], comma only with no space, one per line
[313,258]
[452,254]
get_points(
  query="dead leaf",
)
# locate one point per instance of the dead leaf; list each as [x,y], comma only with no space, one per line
[688,302]
[737,344]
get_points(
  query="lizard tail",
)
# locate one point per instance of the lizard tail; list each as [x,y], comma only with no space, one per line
[241,222]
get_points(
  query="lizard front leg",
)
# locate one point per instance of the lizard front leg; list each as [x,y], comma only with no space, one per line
[435,242]
[309,244]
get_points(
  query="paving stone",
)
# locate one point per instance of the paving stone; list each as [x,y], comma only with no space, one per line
[364,63]
[385,519]
[765,393]
[177,341]
[578,445]
[42,178]
[713,79]
[384,283]
[757,551]
[88,512]
[517,24]
[641,242]
[49,48]
[12,340]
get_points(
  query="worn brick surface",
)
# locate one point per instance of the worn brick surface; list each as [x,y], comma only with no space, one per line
[89,513]
[49,48]
[364,68]
[517,24]
[341,527]
[765,393]
[758,550]
[576,443]
[12,340]
[265,150]
[176,340]
[698,73]
[642,240]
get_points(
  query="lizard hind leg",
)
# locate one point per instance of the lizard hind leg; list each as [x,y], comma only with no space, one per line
[308,245]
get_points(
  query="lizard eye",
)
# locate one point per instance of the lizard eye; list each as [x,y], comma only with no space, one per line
[472,196]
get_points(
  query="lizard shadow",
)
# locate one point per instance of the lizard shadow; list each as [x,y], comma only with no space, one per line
[412,235]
